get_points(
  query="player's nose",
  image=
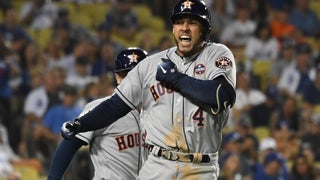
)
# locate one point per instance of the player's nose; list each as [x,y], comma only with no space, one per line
[185,26]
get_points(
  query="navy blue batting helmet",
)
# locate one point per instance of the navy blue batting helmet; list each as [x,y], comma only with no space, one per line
[195,8]
[129,58]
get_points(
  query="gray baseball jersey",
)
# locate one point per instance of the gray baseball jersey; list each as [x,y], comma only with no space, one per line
[171,120]
[117,151]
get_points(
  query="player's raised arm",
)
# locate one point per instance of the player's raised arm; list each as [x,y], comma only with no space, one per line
[113,108]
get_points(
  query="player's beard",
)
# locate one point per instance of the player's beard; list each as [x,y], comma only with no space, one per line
[190,48]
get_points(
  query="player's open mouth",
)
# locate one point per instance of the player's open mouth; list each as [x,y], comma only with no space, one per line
[185,38]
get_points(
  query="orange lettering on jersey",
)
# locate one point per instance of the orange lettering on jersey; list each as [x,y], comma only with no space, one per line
[154,93]
[137,139]
[159,90]
[130,141]
[121,143]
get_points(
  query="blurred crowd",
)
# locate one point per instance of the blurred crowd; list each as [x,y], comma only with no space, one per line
[58,55]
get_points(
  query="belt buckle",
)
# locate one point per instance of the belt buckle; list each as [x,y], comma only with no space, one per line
[170,155]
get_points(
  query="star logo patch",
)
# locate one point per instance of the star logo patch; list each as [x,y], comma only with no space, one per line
[133,58]
[224,63]
[186,5]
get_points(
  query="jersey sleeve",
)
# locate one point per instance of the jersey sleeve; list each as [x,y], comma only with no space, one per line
[130,88]
[222,62]
[88,136]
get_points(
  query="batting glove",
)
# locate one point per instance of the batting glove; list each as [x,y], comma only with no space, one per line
[168,74]
[70,128]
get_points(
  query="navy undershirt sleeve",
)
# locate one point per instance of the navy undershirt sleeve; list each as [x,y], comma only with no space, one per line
[104,114]
[63,157]
[205,91]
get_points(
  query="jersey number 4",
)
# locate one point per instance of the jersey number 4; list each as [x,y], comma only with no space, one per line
[198,116]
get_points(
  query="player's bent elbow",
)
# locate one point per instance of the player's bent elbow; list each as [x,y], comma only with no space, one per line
[225,97]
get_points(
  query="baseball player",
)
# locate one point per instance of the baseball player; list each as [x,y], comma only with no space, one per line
[116,151]
[186,93]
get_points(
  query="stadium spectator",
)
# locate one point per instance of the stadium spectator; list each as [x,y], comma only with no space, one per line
[10,25]
[121,20]
[68,61]
[249,143]
[53,52]
[47,134]
[236,33]
[310,137]
[286,58]
[36,105]
[272,168]
[8,68]
[310,94]
[288,116]
[38,14]
[82,76]
[230,167]
[294,78]
[231,143]
[246,96]
[90,93]
[280,25]
[105,64]
[302,168]
[263,113]
[104,36]
[261,47]
[303,18]
[220,17]
[63,34]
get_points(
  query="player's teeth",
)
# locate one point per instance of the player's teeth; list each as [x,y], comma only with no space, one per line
[185,38]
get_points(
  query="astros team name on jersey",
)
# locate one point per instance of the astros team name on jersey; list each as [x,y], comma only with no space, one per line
[131,141]
[158,90]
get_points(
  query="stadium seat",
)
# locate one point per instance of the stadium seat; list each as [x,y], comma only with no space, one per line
[261,68]
[316,109]
[143,13]
[156,24]
[96,11]
[42,36]
[82,19]
[261,133]
[17,5]
[315,6]
[29,169]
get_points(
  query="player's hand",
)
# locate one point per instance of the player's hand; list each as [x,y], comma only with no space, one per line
[70,128]
[165,68]
[168,74]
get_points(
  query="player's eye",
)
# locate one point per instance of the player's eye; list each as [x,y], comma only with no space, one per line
[194,22]
[178,22]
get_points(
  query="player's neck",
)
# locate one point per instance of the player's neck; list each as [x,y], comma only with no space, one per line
[191,54]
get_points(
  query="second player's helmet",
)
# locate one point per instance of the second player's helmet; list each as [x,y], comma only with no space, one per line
[129,58]
[195,8]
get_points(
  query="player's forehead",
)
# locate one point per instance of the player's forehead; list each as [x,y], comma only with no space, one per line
[186,17]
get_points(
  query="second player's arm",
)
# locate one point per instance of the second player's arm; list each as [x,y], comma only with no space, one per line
[63,157]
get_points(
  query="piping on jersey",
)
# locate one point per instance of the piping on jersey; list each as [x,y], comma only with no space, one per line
[140,147]
[218,101]
[192,60]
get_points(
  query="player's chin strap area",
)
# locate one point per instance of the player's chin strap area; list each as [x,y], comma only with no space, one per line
[182,157]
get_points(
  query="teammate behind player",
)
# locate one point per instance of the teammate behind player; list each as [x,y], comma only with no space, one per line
[186,93]
[116,151]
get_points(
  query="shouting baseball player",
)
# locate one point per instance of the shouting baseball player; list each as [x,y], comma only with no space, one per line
[117,151]
[186,93]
